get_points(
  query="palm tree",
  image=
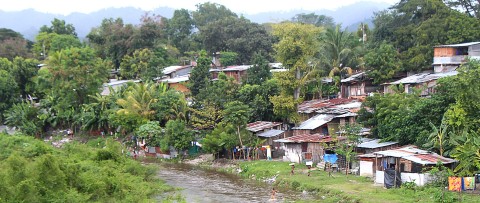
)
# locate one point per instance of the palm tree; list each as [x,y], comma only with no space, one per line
[139,99]
[337,51]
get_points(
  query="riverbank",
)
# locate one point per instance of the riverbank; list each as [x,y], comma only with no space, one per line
[341,188]
[336,187]
[33,170]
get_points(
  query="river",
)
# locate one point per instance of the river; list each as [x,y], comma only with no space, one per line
[201,185]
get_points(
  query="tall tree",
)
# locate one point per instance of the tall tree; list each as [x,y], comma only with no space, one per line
[471,7]
[210,12]
[237,114]
[179,29]
[200,76]
[59,27]
[314,19]
[112,40]
[73,74]
[337,51]
[149,33]
[296,47]
[382,63]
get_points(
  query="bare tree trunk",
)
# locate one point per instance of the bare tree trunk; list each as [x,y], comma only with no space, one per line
[239,137]
[296,93]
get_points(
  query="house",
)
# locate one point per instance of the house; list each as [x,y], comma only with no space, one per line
[307,147]
[267,130]
[176,71]
[178,83]
[237,72]
[358,86]
[115,84]
[426,82]
[329,115]
[447,58]
[365,151]
[409,161]
[307,109]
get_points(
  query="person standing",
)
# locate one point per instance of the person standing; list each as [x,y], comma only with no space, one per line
[272,196]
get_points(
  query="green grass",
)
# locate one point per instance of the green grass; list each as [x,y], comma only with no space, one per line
[342,188]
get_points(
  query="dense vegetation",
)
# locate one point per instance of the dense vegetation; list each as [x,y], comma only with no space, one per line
[34,171]
[65,93]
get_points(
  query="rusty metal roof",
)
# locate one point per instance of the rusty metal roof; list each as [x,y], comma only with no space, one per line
[317,104]
[261,125]
[318,138]
[416,155]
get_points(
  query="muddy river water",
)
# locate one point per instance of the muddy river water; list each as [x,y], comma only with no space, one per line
[201,185]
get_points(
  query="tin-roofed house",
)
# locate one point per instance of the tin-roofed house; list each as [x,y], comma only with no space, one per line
[448,57]
[358,86]
[307,147]
[308,109]
[410,162]
[365,151]
[329,116]
[426,82]
[178,83]
[267,130]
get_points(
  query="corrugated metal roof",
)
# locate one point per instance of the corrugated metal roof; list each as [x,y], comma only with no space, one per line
[349,114]
[115,84]
[310,138]
[315,122]
[352,105]
[276,65]
[317,104]
[333,111]
[459,45]
[170,69]
[372,144]
[237,68]
[182,78]
[354,77]
[423,77]
[416,155]
[278,70]
[270,133]
[261,125]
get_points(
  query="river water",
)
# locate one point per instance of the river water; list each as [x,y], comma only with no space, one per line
[201,185]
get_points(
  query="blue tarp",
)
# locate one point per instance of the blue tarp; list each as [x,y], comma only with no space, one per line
[330,158]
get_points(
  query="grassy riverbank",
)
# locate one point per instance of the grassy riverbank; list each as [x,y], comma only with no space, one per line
[341,188]
[32,170]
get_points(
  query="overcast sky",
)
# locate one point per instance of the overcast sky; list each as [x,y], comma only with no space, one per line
[66,7]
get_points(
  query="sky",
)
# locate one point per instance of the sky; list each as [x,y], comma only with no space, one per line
[66,7]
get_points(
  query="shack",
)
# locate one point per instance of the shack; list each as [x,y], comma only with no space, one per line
[410,162]
[366,157]
[268,131]
[307,147]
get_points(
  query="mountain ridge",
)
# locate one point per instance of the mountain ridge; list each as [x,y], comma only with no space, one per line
[29,21]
